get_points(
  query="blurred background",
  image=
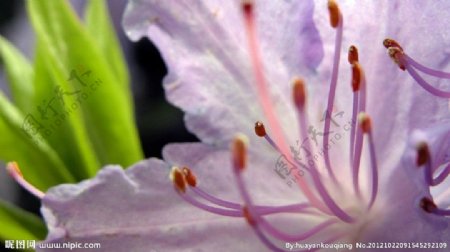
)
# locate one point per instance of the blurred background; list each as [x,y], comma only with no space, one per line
[158,122]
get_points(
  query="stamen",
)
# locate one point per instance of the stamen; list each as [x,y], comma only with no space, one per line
[358,141]
[352,54]
[407,63]
[14,171]
[335,13]
[191,179]
[356,79]
[178,179]
[424,158]
[366,127]
[388,43]
[260,130]
[336,21]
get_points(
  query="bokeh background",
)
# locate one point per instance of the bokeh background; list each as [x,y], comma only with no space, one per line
[158,122]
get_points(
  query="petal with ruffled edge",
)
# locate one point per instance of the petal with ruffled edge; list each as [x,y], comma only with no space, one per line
[205,47]
[138,210]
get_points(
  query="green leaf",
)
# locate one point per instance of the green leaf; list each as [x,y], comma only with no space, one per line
[18,224]
[106,108]
[59,114]
[33,154]
[99,25]
[19,73]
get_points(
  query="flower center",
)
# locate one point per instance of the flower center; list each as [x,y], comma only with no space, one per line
[327,197]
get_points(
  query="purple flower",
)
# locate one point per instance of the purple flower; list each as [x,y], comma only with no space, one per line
[362,161]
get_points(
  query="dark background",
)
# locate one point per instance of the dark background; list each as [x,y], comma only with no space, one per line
[158,122]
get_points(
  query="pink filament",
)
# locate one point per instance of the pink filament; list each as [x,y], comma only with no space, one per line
[264,97]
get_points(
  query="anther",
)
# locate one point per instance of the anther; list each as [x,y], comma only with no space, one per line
[365,122]
[239,152]
[423,154]
[248,216]
[396,53]
[178,179]
[353,54]
[260,130]
[299,93]
[427,205]
[191,179]
[390,43]
[335,14]
[357,73]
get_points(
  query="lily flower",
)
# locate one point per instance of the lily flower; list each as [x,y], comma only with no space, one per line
[299,145]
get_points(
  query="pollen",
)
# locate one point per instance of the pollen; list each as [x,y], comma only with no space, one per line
[239,152]
[357,73]
[335,14]
[390,43]
[299,93]
[396,53]
[189,176]
[365,122]
[178,179]
[353,54]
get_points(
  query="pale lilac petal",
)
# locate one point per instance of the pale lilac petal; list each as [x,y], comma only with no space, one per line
[205,47]
[138,210]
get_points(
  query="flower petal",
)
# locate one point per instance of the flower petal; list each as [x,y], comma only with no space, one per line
[138,210]
[205,48]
